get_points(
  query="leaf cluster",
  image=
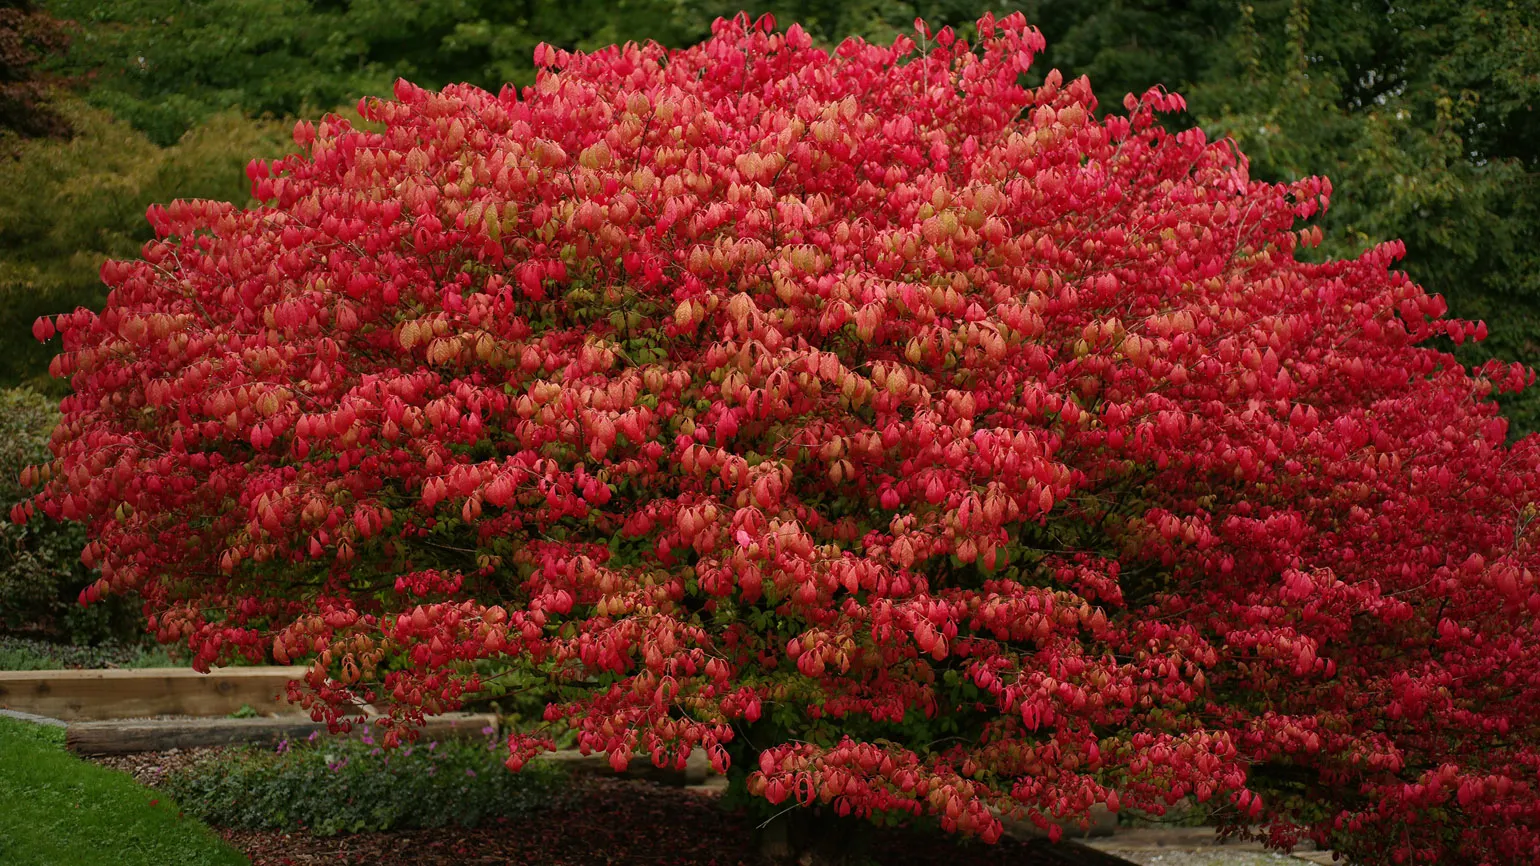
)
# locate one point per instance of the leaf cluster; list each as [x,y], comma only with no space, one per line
[40,570]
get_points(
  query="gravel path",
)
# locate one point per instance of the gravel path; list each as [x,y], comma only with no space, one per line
[1195,846]
[1211,856]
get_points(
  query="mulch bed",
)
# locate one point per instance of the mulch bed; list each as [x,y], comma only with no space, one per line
[151,768]
[606,822]
[623,823]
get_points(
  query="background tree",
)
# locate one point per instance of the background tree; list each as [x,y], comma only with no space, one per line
[67,206]
[166,66]
[27,36]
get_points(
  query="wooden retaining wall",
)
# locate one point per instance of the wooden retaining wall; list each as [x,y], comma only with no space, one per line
[158,735]
[78,695]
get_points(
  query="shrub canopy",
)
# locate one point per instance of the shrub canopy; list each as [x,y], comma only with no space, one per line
[909,439]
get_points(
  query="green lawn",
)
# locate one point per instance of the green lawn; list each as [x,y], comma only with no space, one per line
[57,810]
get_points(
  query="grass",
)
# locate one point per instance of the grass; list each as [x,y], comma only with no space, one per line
[57,809]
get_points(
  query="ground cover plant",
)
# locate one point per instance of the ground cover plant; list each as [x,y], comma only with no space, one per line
[919,444]
[56,808]
[351,785]
[23,654]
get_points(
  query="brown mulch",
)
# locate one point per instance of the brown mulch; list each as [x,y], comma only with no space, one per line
[623,823]
[152,768]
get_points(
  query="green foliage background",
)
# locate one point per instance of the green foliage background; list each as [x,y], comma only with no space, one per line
[67,206]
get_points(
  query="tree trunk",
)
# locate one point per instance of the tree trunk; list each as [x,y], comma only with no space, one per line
[814,836]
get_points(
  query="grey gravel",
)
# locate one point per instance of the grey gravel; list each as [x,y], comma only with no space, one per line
[33,718]
[1210,856]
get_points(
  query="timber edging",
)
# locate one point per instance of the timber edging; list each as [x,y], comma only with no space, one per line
[124,736]
[73,695]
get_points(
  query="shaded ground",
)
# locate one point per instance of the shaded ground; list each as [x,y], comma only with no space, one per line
[614,822]
[621,823]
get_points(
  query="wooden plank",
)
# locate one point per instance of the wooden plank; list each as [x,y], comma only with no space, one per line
[113,694]
[160,735]
[641,767]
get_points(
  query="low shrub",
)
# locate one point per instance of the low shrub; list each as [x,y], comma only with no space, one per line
[334,785]
[25,654]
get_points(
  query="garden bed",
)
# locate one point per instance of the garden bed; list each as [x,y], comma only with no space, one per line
[287,807]
[30,654]
[603,819]
[590,817]
[611,822]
